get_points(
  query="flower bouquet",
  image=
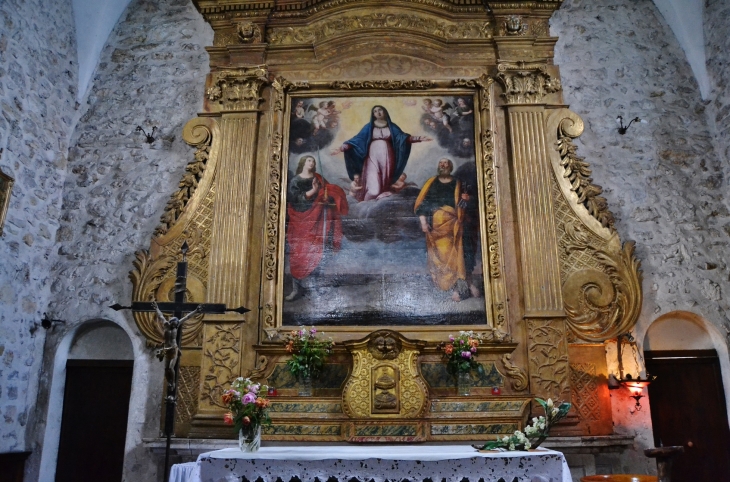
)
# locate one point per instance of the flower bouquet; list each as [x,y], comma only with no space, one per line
[534,434]
[247,405]
[309,353]
[460,355]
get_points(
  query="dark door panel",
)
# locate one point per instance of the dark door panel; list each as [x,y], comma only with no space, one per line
[688,408]
[94,423]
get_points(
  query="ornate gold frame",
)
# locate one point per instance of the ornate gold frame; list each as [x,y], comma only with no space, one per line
[481,90]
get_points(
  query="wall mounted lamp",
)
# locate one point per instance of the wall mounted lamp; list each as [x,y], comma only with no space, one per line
[47,322]
[623,128]
[149,138]
[634,385]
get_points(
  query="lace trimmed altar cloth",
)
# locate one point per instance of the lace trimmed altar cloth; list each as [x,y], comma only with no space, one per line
[451,463]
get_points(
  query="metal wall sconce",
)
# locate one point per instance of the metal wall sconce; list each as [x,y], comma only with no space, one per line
[47,322]
[623,128]
[634,385]
[149,138]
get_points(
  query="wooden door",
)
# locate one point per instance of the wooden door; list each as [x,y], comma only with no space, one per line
[688,408]
[94,423]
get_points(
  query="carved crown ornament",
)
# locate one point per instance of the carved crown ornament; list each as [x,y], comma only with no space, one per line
[214,10]
[526,82]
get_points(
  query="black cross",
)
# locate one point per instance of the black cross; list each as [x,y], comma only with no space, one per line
[178,308]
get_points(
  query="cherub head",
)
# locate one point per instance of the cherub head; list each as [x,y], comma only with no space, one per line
[403,177]
[356,179]
[427,102]
[461,102]
[466,142]
[300,103]
[438,103]
[323,104]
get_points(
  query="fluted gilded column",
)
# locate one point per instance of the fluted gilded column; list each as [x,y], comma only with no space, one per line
[229,248]
[233,96]
[525,88]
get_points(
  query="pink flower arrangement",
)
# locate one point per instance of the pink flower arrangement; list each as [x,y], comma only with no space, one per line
[460,352]
[245,404]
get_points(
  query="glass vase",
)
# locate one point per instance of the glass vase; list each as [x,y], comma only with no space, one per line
[463,384]
[305,386]
[249,438]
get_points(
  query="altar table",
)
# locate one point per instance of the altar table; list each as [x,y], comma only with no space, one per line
[415,463]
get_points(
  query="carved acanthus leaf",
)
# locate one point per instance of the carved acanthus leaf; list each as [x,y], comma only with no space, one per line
[258,373]
[237,89]
[154,280]
[393,22]
[382,84]
[146,277]
[201,138]
[578,172]
[602,304]
[519,382]
[525,83]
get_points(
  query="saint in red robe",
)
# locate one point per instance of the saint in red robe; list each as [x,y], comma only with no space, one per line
[313,223]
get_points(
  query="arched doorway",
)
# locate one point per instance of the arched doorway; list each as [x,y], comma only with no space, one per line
[687,400]
[96,405]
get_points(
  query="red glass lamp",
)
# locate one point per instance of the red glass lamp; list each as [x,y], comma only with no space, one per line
[635,385]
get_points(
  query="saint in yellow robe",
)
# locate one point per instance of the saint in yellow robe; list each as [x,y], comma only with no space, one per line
[440,202]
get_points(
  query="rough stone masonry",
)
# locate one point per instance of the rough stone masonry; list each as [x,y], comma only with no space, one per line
[89,192]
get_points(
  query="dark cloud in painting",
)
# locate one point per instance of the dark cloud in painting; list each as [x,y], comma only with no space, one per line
[450,121]
[313,125]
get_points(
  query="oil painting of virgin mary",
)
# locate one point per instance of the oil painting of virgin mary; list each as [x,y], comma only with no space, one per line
[378,154]
[355,252]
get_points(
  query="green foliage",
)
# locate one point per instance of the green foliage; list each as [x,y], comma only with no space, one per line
[535,433]
[460,352]
[309,352]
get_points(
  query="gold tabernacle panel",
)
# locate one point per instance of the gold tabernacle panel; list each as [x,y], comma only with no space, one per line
[314,196]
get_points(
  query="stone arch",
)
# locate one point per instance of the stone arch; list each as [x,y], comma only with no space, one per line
[684,330]
[116,340]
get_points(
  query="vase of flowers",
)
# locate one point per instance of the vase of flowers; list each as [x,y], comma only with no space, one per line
[535,433]
[247,411]
[309,351]
[460,354]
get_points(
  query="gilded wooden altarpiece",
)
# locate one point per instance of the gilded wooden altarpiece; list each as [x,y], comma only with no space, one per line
[295,79]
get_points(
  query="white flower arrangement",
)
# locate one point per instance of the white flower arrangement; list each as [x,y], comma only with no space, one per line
[535,433]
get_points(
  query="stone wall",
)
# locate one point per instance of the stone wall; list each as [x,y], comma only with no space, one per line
[151,73]
[37,107]
[717,47]
[664,180]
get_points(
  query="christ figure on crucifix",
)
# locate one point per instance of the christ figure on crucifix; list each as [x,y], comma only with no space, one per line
[170,351]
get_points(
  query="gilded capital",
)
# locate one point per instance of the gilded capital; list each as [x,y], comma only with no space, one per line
[526,83]
[236,90]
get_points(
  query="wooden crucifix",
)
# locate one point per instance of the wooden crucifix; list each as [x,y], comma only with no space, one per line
[173,328]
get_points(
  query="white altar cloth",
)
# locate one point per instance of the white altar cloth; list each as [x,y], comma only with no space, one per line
[415,463]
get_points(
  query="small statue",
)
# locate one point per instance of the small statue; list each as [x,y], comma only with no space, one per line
[170,351]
